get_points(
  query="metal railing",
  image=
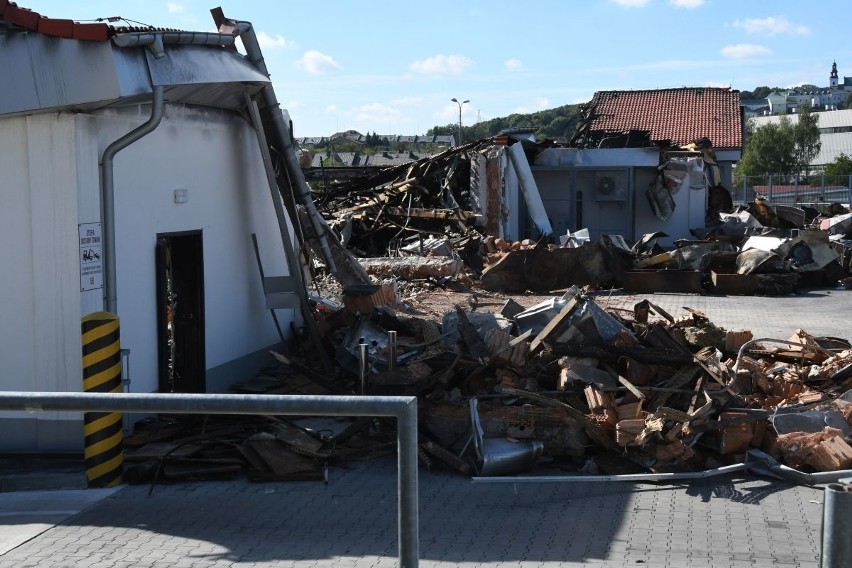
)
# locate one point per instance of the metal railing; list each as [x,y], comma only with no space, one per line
[403,408]
[815,190]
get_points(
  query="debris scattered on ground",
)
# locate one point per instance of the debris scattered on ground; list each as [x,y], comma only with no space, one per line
[562,384]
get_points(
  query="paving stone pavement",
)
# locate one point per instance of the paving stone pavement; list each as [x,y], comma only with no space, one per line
[351,522]
[820,312]
[729,521]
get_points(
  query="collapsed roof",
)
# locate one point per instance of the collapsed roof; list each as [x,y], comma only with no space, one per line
[661,117]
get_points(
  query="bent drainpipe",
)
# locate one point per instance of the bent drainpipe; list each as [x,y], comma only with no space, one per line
[282,133]
[108,196]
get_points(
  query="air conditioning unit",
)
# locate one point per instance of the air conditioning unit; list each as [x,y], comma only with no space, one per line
[610,186]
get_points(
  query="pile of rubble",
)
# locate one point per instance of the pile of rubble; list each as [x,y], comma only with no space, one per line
[563,385]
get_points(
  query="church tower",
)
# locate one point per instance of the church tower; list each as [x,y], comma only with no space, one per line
[832,79]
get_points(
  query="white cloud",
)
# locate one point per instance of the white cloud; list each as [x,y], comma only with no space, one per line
[443,65]
[266,41]
[688,4]
[450,113]
[513,64]
[409,101]
[331,109]
[542,103]
[771,26]
[175,8]
[317,63]
[632,3]
[745,51]
[377,113]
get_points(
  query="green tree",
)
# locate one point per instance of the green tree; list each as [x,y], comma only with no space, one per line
[840,167]
[806,137]
[781,147]
[769,149]
[560,126]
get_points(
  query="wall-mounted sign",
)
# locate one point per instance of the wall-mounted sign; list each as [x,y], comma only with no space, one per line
[91,253]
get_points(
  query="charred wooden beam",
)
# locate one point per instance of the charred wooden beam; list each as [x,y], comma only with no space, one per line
[648,355]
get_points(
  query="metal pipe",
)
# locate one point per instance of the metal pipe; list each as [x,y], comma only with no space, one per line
[282,132]
[403,408]
[629,477]
[108,195]
[748,344]
[391,350]
[837,525]
[762,463]
[409,553]
[363,364]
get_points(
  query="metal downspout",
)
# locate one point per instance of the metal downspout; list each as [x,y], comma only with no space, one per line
[108,196]
[282,132]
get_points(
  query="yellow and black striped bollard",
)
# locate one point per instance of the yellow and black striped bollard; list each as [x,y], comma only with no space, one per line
[104,458]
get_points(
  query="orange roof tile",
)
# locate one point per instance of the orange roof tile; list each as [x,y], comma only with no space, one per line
[679,115]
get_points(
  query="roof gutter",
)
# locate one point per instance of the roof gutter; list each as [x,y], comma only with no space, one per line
[108,195]
[156,40]
[285,140]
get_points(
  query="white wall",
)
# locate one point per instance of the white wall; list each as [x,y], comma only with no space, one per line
[214,156]
[689,213]
[511,195]
[50,183]
[39,271]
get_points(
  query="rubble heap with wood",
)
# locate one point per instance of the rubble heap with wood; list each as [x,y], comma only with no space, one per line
[573,386]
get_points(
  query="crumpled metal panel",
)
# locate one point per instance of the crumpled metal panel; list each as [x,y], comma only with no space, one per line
[204,75]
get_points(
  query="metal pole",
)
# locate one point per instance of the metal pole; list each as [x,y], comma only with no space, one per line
[837,525]
[409,553]
[460,103]
[363,364]
[403,408]
[391,350]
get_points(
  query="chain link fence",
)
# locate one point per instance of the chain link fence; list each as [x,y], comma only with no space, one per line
[817,190]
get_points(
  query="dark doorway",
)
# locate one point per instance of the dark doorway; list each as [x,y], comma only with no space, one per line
[180,312]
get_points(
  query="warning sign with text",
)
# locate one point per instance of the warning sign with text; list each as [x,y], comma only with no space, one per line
[91,251]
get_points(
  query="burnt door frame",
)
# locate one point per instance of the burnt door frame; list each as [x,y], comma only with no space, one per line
[181,352]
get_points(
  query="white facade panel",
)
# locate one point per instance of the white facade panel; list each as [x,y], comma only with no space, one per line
[39,273]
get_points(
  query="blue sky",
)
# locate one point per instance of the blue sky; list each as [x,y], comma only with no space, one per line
[392,67]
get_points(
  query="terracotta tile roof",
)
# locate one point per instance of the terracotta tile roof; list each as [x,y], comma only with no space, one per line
[679,115]
[28,19]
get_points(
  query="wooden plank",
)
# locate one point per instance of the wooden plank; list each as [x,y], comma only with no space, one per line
[592,428]
[430,213]
[553,324]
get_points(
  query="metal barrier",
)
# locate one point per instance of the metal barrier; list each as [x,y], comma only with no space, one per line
[403,408]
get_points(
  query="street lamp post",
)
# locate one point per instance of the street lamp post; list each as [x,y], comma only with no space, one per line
[455,100]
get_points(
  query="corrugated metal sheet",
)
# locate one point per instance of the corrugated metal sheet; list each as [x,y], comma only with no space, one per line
[42,73]
[832,144]
[825,119]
